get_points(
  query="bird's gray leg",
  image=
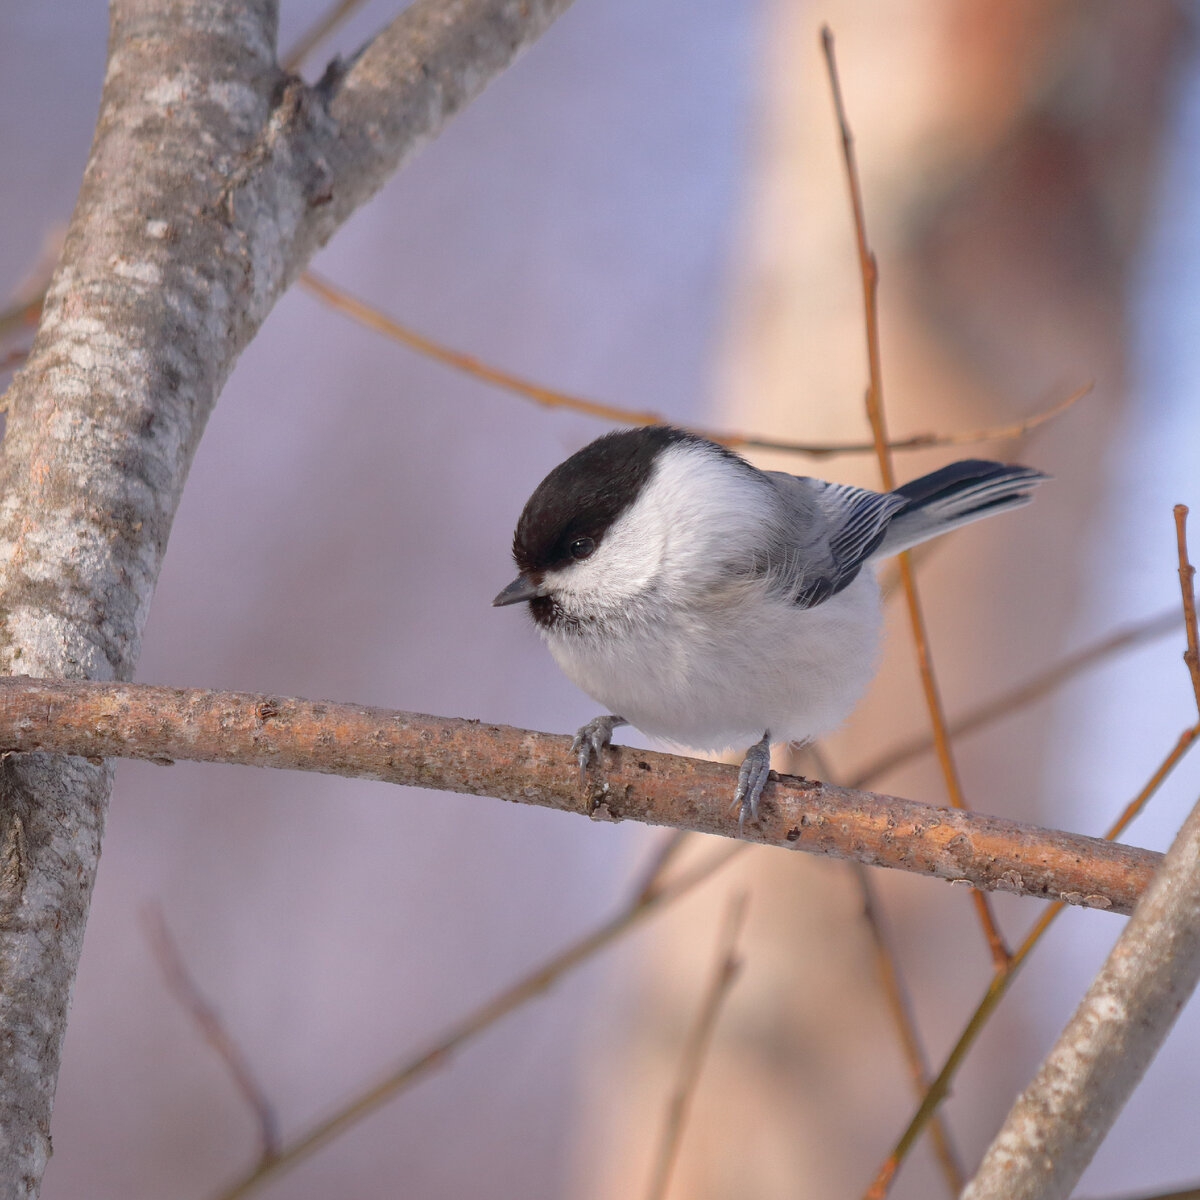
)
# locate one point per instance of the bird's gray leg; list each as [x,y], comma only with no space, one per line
[592,738]
[752,778]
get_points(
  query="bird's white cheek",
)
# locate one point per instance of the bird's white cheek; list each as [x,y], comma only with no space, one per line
[626,565]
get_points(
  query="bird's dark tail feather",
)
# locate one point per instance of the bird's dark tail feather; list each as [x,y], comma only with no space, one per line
[956,495]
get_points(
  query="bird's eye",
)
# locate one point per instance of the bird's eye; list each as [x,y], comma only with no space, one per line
[582,547]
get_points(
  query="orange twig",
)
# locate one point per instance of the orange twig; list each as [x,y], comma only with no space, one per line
[695,1048]
[487,1014]
[341,300]
[1187,574]
[875,414]
[900,1006]
[317,32]
[895,994]
[1000,982]
[213,1030]
[1025,693]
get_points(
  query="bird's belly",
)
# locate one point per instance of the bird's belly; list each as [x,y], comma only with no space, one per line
[708,681]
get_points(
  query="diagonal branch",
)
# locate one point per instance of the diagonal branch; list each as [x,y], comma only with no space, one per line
[98,721]
[372,318]
[1059,1121]
[212,178]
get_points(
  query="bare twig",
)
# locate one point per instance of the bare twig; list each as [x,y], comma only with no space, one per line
[358,310]
[695,1048]
[99,720]
[483,1017]
[900,1006]
[21,315]
[14,358]
[317,32]
[1187,575]
[896,998]
[1001,981]
[875,414]
[1023,694]
[663,856]
[939,1089]
[1191,1193]
[208,1021]
[1057,1124]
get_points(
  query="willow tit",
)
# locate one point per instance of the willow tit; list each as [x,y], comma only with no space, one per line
[712,604]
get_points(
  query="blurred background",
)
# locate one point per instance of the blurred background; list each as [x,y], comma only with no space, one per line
[649,209]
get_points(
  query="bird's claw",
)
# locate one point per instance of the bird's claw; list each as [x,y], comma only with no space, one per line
[593,738]
[752,778]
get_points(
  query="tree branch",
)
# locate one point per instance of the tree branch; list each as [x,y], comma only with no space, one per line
[1059,1121]
[212,178]
[99,721]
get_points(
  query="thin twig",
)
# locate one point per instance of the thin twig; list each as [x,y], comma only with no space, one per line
[663,856]
[127,720]
[14,358]
[23,314]
[1187,575]
[900,1006]
[208,1021]
[875,414]
[897,1000]
[1000,982]
[318,32]
[1191,1193]
[1057,1124]
[939,1089]
[1022,695]
[483,1017]
[358,310]
[695,1048]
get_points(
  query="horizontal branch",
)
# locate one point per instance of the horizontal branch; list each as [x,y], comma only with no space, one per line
[99,720]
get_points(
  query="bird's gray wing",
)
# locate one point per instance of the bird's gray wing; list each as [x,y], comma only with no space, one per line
[826,532]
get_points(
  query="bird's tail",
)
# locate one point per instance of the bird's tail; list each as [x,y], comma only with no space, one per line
[956,495]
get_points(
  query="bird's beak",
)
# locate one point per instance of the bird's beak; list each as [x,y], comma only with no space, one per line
[521,588]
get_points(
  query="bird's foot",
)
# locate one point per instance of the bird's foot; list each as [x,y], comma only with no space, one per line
[752,778]
[592,738]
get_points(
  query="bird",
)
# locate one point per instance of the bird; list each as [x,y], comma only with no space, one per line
[713,605]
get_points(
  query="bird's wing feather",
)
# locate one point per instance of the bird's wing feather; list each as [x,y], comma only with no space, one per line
[830,529]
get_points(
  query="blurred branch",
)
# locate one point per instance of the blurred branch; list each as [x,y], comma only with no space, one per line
[483,1017]
[1191,1193]
[875,414]
[940,1087]
[358,310]
[1057,1124]
[905,1022]
[1187,575]
[99,721]
[695,1047]
[896,999]
[206,1018]
[1023,694]
[317,32]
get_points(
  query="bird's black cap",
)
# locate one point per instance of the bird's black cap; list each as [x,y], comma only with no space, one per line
[585,494]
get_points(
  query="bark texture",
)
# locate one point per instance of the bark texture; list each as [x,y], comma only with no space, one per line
[457,755]
[1057,1124]
[212,178]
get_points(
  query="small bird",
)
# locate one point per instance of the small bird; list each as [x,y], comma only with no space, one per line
[711,604]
